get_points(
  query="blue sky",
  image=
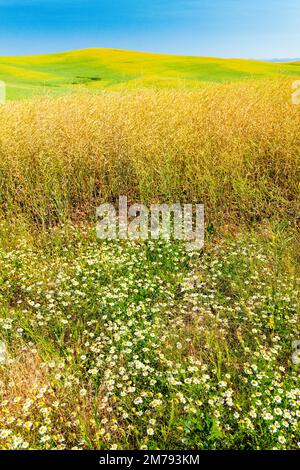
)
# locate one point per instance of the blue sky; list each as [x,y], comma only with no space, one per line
[223,28]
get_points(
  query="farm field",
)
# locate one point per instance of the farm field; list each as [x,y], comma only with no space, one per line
[140,344]
[98,69]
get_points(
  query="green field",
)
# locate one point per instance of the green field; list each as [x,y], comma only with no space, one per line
[98,69]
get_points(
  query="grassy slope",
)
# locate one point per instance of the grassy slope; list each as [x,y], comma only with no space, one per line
[116,69]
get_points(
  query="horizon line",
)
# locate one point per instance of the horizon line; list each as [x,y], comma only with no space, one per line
[274,59]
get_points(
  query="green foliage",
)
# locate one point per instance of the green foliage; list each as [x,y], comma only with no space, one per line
[142,345]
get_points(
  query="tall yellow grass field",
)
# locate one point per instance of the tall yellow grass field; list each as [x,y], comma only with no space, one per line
[234,147]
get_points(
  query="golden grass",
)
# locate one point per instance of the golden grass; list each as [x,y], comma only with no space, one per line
[98,69]
[234,147]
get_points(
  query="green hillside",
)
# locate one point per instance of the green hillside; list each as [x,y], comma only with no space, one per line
[116,69]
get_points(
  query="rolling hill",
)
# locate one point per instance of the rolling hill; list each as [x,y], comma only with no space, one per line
[99,69]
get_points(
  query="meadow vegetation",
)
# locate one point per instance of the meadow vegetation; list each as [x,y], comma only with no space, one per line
[127,344]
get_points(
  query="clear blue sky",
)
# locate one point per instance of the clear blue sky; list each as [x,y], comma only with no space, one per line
[224,28]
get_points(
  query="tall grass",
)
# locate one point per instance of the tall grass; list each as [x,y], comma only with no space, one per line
[234,147]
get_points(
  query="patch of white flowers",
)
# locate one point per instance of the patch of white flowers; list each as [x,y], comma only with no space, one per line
[145,346]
